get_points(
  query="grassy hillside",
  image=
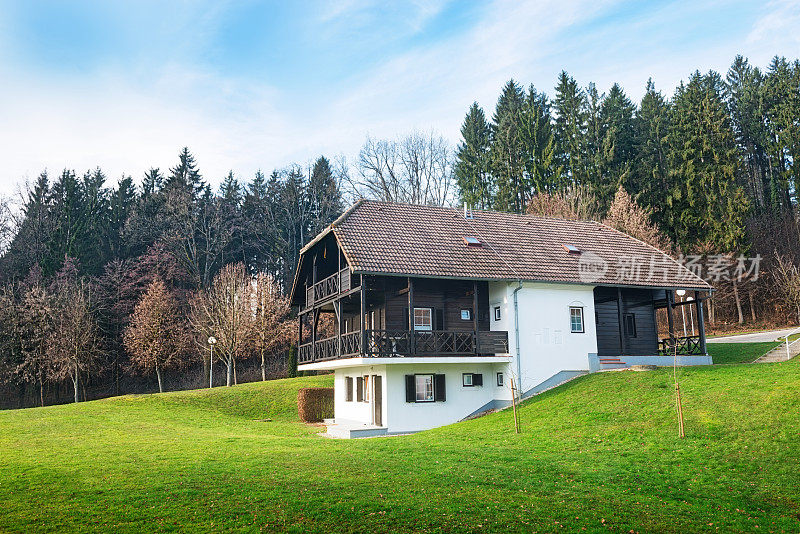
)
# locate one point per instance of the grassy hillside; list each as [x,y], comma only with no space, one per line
[600,453]
[739,352]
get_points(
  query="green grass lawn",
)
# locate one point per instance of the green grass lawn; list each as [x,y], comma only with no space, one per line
[599,453]
[739,352]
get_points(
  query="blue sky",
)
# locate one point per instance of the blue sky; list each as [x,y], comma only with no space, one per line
[249,85]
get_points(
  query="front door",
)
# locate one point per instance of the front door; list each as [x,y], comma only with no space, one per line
[377,400]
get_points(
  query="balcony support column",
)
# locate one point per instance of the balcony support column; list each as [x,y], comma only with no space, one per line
[411,332]
[362,316]
[701,325]
[475,315]
[670,321]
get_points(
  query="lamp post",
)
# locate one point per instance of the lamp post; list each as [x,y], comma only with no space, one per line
[691,314]
[681,293]
[211,342]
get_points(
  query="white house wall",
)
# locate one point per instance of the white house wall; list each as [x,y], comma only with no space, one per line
[547,346]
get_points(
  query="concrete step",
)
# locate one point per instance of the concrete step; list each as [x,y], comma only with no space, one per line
[350,431]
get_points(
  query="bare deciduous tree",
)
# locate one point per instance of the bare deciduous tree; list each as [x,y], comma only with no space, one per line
[225,311]
[787,282]
[574,204]
[156,338]
[627,216]
[416,169]
[274,330]
[73,345]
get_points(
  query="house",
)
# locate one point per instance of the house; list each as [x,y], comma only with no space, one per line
[428,315]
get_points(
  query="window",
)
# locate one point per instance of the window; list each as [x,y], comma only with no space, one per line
[472,241]
[423,319]
[469,380]
[348,388]
[359,389]
[466,315]
[576,319]
[572,249]
[497,313]
[500,380]
[630,325]
[424,388]
[366,388]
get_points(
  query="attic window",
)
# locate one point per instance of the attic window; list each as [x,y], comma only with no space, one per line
[572,249]
[472,241]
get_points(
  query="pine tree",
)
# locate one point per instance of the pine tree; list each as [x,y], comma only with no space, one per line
[617,127]
[473,161]
[570,126]
[508,149]
[704,204]
[649,179]
[542,172]
[185,175]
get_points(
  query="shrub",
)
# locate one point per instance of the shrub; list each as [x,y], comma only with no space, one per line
[315,404]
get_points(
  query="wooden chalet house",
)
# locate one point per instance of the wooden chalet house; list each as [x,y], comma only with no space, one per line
[427,314]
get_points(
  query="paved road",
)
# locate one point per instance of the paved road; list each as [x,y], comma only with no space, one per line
[757,337]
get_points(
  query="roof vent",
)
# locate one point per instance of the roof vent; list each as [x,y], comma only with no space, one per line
[468,212]
[572,249]
[472,241]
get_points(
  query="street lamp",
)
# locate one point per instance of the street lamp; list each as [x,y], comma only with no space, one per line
[681,293]
[691,314]
[211,342]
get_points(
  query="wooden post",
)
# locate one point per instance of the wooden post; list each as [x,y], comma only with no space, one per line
[620,323]
[701,326]
[514,405]
[337,307]
[475,313]
[362,315]
[670,323]
[412,349]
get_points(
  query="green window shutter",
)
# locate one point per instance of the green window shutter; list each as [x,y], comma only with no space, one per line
[477,379]
[360,389]
[411,389]
[439,394]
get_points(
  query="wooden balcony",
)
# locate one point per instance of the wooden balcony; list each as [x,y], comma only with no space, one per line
[328,288]
[404,343]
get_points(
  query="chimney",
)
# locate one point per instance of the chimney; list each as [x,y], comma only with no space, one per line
[467,212]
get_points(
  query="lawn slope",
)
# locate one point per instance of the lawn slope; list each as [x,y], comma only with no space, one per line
[599,453]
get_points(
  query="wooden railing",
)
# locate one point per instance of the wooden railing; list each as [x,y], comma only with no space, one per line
[328,287]
[686,346]
[403,343]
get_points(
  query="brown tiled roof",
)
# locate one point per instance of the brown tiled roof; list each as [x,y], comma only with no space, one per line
[426,241]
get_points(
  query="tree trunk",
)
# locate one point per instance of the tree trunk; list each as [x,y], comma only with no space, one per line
[235,376]
[75,380]
[263,368]
[158,374]
[229,365]
[41,392]
[752,305]
[738,302]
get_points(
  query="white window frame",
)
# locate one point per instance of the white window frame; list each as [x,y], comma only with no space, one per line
[500,379]
[422,327]
[423,388]
[498,314]
[572,329]
[466,380]
[366,388]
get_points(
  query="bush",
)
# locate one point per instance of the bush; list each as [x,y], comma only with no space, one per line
[315,404]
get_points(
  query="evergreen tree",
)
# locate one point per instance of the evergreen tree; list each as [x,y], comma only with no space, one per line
[508,149]
[704,204]
[618,147]
[569,106]
[542,172]
[648,182]
[473,162]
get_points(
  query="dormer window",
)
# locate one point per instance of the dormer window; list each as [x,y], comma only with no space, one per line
[572,249]
[472,241]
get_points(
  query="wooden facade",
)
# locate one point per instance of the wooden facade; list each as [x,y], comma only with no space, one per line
[345,315]
[627,325]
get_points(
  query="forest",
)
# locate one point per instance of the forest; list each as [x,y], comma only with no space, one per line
[108,289]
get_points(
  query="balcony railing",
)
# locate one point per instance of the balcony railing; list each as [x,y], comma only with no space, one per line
[686,346]
[328,287]
[404,343]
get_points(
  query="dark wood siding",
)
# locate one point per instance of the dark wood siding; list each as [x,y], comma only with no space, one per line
[639,303]
[446,297]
